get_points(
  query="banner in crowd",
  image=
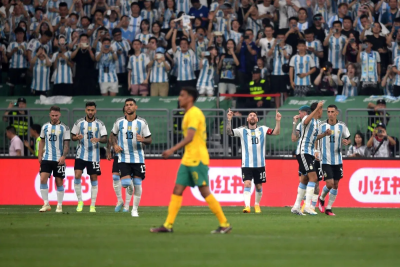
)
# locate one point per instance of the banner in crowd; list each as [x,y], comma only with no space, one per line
[366,183]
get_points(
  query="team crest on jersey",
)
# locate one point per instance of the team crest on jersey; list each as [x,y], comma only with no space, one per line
[326,175]
[253,133]
[89,128]
[129,128]
[53,131]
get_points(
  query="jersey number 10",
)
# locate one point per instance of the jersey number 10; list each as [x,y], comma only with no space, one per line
[254,140]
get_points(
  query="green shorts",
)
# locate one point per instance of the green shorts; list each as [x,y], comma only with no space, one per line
[193,175]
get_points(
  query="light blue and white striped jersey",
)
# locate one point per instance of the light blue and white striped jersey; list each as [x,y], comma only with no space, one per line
[316,44]
[253,145]
[333,19]
[308,136]
[222,26]
[107,68]
[280,60]
[185,64]
[369,66]
[132,150]
[348,89]
[235,36]
[41,76]
[125,7]
[158,72]
[88,151]
[395,50]
[183,5]
[123,46]
[388,89]
[396,63]
[110,25]
[325,11]
[33,26]
[134,25]
[331,146]
[137,66]
[87,8]
[167,17]
[18,60]
[63,72]
[254,25]
[303,26]
[302,64]
[54,137]
[111,2]
[335,56]
[152,16]
[206,76]
[385,11]
[144,38]
[34,44]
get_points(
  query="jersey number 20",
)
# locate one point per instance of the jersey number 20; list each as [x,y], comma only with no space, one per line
[53,138]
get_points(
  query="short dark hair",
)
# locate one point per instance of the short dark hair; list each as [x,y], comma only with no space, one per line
[36,127]
[362,137]
[135,4]
[302,8]
[74,14]
[130,99]
[84,35]
[308,31]
[313,106]
[363,17]
[192,92]
[63,4]
[337,22]
[301,42]
[137,40]
[269,26]
[91,104]
[348,18]
[332,106]
[248,30]
[152,38]
[11,129]
[98,11]
[253,111]
[48,33]
[106,39]
[55,108]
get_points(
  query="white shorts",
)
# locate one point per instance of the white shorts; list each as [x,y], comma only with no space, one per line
[224,87]
[208,90]
[109,87]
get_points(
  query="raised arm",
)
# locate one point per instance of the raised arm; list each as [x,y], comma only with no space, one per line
[309,117]
[228,126]
[295,134]
[277,129]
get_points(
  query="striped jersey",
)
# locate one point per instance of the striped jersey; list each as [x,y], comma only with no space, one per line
[333,19]
[134,25]
[335,56]
[395,50]
[41,76]
[152,15]
[303,26]
[396,63]
[331,146]
[88,151]
[18,60]
[316,44]
[34,44]
[235,36]
[322,10]
[348,88]
[388,89]
[54,137]
[279,58]
[222,26]
[52,4]
[183,5]
[369,66]
[144,38]
[123,46]
[308,136]
[107,68]
[158,72]
[132,150]
[254,25]
[137,66]
[167,17]
[125,7]
[87,9]
[206,76]
[63,72]
[302,64]
[186,64]
[253,145]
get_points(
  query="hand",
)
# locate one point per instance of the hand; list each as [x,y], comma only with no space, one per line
[117,149]
[95,140]
[229,115]
[320,104]
[259,104]
[145,81]
[340,71]
[322,71]
[381,50]
[302,75]
[61,161]
[311,49]
[11,105]
[328,132]
[360,47]
[295,118]
[346,142]
[278,116]
[292,84]
[109,155]
[316,155]
[237,114]
[384,132]
[167,153]
[139,138]
[26,143]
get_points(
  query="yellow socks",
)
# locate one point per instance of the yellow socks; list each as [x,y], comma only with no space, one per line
[173,209]
[215,207]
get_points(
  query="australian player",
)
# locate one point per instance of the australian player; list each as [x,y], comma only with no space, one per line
[331,151]
[53,149]
[194,167]
[89,131]
[252,139]
[132,132]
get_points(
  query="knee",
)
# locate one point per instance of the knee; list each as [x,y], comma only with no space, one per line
[126,182]
[259,188]
[116,177]
[137,181]
[247,183]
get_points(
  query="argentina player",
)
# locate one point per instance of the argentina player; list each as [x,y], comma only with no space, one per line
[252,138]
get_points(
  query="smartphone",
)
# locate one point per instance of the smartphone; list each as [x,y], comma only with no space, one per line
[352,40]
[278,41]
[246,37]
[344,71]
[206,53]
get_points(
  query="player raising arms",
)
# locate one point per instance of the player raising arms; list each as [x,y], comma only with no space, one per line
[194,167]
[132,132]
[89,131]
[252,138]
[305,157]
[53,149]
[331,150]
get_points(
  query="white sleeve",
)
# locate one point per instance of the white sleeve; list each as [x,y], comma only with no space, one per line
[289,50]
[312,62]
[103,130]
[9,49]
[115,129]
[291,64]
[146,131]
[237,132]
[346,132]
[298,127]
[54,57]
[268,131]
[75,129]
[42,133]
[378,57]
[67,134]
[146,60]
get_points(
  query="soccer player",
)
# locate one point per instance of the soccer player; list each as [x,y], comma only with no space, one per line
[194,167]
[252,139]
[305,157]
[331,150]
[132,132]
[53,149]
[89,131]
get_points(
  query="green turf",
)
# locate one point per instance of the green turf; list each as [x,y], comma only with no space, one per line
[355,237]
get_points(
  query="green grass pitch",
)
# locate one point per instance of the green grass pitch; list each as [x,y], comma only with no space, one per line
[355,237]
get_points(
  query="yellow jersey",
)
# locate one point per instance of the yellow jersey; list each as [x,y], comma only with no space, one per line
[196,151]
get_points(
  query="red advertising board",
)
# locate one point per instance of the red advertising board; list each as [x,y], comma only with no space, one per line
[366,183]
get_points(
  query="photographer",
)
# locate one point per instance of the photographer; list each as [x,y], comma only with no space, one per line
[377,114]
[380,142]
[326,82]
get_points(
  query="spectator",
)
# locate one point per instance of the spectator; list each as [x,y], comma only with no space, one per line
[314,49]
[326,82]
[168,14]
[108,79]
[156,30]
[301,67]
[138,79]
[242,11]
[287,9]
[183,6]
[348,29]
[388,82]
[96,26]
[266,10]
[377,114]
[228,69]
[99,5]
[112,20]
[247,51]
[343,10]
[349,81]
[84,57]
[266,42]
[121,47]
[61,20]
[135,19]
[293,35]
[208,67]
[379,45]
[52,8]
[303,23]
[149,12]
[370,68]
[387,12]
[159,74]
[35,134]
[17,52]
[199,11]
[380,142]
[324,8]
[350,49]
[319,31]
[394,45]
[43,42]
[258,86]
[358,149]
[40,67]
[62,69]
[336,42]
[16,146]
[127,32]
[144,34]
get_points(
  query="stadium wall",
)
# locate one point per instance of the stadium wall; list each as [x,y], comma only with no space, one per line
[366,183]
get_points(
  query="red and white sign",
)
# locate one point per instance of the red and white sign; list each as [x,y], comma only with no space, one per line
[366,183]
